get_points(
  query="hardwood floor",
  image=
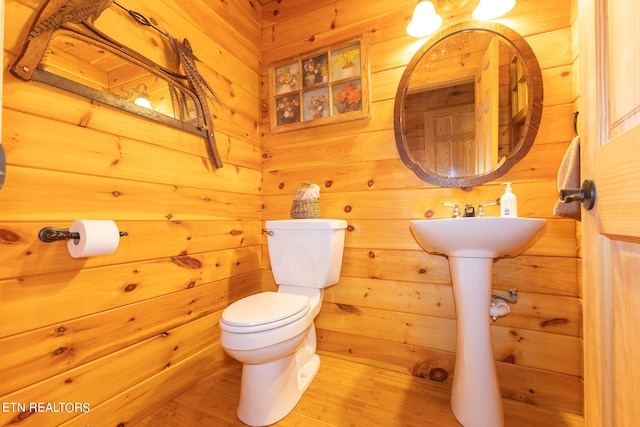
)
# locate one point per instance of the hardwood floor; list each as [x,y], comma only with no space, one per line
[343,394]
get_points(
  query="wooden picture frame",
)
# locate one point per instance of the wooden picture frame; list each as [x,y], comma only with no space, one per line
[326,86]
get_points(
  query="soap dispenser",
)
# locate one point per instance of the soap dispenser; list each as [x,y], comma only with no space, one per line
[508,202]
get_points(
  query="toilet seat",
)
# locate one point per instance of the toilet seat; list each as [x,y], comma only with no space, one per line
[263,311]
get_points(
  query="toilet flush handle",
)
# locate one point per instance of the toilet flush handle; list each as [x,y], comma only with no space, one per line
[267,232]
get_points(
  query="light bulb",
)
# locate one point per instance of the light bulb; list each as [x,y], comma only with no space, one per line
[425,20]
[491,9]
[143,101]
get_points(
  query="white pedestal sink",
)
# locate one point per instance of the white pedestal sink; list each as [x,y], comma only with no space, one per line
[471,245]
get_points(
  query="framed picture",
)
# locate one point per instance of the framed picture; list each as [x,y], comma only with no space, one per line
[287,78]
[323,87]
[347,96]
[288,109]
[316,103]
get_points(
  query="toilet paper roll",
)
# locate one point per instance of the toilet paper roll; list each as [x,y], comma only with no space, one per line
[97,237]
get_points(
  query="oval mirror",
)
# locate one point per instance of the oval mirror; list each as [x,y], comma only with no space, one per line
[468,105]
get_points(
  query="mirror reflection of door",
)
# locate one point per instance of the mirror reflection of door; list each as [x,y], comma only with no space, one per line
[442,133]
[457,119]
[450,140]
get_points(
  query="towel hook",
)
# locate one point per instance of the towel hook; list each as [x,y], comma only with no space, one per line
[575,123]
[586,194]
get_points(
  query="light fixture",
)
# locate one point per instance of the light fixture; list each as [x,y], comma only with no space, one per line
[143,97]
[425,20]
[143,101]
[138,95]
[490,9]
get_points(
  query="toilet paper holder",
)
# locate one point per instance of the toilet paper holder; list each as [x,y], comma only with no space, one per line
[52,234]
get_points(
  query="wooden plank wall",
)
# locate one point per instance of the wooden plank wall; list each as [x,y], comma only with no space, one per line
[126,332]
[393,306]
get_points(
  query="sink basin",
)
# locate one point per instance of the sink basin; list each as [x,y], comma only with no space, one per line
[478,237]
[471,244]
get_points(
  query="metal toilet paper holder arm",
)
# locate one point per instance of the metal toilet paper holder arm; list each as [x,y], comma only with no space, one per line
[52,234]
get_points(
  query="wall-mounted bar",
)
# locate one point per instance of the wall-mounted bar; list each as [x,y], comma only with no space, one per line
[86,237]
[52,234]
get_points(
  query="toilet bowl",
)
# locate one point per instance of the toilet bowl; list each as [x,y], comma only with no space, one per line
[272,333]
[278,356]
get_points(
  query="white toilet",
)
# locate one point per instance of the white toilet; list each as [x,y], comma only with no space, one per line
[273,333]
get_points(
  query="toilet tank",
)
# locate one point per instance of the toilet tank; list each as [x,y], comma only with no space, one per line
[306,252]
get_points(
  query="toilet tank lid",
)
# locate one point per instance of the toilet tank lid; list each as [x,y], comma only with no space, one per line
[306,224]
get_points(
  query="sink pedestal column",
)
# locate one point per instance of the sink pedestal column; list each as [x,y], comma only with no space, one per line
[475,395]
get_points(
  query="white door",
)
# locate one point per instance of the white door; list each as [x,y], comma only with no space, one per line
[610,126]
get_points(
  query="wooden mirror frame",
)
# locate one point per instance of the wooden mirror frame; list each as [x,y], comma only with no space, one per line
[74,19]
[531,124]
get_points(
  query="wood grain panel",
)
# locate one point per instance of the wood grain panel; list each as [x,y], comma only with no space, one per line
[133,404]
[616,179]
[383,110]
[126,332]
[532,311]
[45,101]
[103,288]
[20,244]
[558,55]
[338,19]
[331,22]
[367,396]
[623,106]
[195,240]
[46,143]
[115,372]
[534,199]
[558,238]
[558,79]
[52,349]
[542,162]
[530,385]
[519,346]
[626,333]
[389,286]
[102,197]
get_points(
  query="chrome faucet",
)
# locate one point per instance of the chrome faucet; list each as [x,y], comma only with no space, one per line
[483,204]
[456,210]
[469,210]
